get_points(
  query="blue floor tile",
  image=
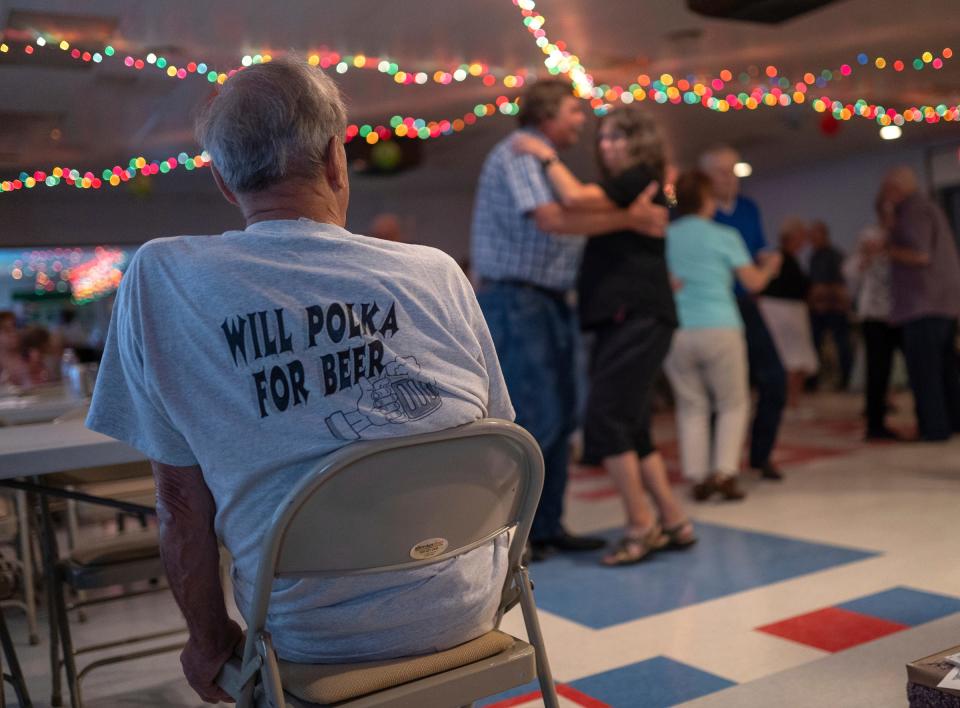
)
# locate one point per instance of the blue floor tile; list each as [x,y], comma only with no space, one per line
[725,561]
[905,606]
[654,683]
[512,693]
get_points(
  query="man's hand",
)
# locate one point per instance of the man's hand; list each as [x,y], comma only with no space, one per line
[645,216]
[202,662]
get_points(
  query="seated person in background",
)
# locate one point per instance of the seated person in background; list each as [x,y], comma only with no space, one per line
[236,362]
[12,368]
[35,348]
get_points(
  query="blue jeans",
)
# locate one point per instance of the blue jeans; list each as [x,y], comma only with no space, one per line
[770,379]
[536,338]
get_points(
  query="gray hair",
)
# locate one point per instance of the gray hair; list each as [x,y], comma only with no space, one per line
[712,152]
[271,122]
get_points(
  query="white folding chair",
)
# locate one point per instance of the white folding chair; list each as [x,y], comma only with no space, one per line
[394,505]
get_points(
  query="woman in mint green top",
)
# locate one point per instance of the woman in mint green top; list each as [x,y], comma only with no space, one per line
[707,364]
[703,255]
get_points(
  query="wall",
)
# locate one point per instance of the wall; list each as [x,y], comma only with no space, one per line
[842,193]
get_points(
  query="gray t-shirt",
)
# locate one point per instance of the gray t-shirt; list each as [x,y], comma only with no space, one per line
[255,353]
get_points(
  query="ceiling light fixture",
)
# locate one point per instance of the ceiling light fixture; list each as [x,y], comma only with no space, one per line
[743,169]
[890,132]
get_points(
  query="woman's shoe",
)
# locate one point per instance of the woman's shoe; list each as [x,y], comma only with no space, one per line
[705,489]
[681,536]
[632,548]
[729,488]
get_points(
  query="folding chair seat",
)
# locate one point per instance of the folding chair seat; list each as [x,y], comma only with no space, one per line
[97,564]
[403,503]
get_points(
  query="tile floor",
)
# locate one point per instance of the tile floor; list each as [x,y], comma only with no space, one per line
[814,591]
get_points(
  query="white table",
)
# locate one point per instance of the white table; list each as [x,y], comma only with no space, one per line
[23,410]
[30,450]
[46,448]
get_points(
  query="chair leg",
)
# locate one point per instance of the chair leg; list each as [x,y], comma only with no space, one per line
[73,537]
[16,674]
[535,636]
[3,689]
[26,568]
[66,641]
[59,622]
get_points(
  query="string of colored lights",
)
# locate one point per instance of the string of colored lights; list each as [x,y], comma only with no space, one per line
[709,92]
[341,63]
[111,177]
[400,127]
[559,60]
[605,93]
[780,92]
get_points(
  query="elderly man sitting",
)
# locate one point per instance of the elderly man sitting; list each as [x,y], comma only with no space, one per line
[236,361]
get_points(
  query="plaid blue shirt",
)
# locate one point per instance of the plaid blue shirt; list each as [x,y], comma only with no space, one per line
[505,241]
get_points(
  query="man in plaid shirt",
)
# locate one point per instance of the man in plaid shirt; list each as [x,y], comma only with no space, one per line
[526,248]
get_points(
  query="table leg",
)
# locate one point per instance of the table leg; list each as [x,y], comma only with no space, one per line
[26,558]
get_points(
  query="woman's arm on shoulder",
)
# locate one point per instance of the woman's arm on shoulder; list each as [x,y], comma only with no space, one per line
[572,193]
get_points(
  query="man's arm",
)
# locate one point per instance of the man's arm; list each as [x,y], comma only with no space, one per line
[912,242]
[642,215]
[188,545]
[909,256]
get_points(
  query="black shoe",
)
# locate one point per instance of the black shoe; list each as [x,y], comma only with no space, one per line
[536,552]
[882,434]
[569,542]
[768,471]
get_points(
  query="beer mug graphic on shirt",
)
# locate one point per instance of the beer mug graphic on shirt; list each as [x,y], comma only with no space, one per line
[398,396]
[418,399]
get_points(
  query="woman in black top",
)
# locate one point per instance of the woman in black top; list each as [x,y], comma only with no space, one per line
[626,301]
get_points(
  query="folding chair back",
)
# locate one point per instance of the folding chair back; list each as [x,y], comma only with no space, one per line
[403,503]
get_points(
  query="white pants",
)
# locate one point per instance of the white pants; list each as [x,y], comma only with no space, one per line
[708,371]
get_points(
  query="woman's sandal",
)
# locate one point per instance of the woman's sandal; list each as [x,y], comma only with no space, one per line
[680,537]
[633,549]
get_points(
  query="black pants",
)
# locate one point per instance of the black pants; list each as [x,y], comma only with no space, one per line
[880,340]
[624,364]
[930,351]
[837,325]
[769,377]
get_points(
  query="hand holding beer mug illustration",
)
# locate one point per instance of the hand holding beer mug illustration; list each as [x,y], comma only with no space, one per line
[398,395]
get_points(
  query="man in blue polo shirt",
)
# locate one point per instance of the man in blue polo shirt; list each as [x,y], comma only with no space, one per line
[766,370]
[526,249]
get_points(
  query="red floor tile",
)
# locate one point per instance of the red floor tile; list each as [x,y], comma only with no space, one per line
[832,629]
[577,697]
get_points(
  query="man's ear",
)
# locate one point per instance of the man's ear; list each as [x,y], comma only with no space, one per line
[335,165]
[221,185]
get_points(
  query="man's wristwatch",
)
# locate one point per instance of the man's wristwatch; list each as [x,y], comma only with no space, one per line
[549,161]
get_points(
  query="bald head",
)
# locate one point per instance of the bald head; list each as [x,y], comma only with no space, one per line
[717,162]
[899,183]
